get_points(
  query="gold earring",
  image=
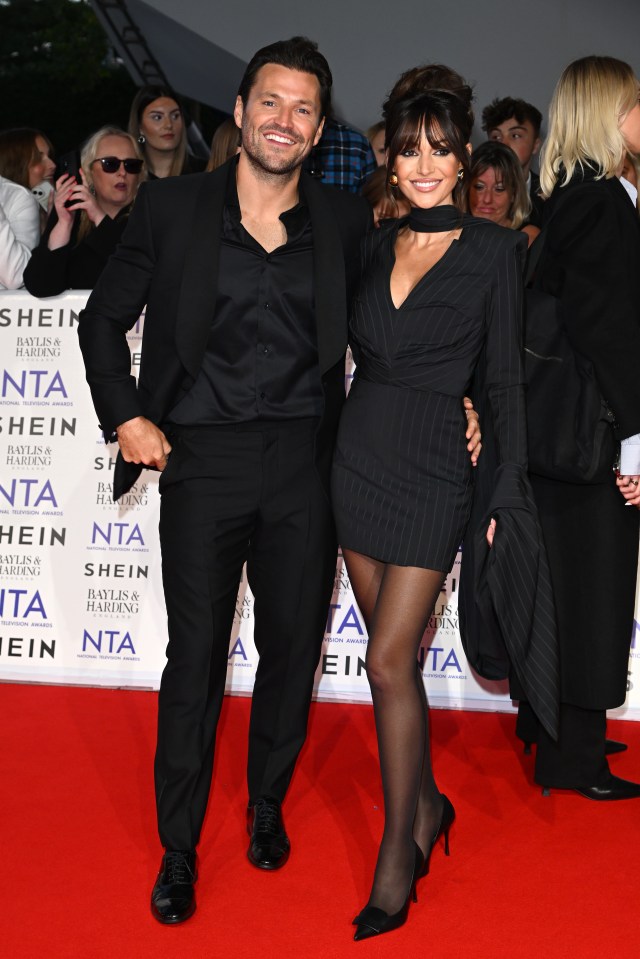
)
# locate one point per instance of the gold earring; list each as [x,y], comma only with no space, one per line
[460,175]
[393,180]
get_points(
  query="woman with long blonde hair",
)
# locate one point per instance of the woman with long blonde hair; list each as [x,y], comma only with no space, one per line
[591,263]
[89,215]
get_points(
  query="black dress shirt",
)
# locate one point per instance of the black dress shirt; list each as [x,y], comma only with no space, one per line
[261,361]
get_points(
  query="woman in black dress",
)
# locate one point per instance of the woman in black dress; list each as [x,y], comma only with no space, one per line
[591,262]
[439,289]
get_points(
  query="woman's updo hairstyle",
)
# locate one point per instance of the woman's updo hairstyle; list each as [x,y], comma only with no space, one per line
[446,122]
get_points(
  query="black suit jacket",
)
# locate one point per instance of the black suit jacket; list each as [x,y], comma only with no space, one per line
[168,260]
[591,262]
[536,216]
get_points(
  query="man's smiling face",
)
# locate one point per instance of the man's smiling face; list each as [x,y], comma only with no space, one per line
[281,121]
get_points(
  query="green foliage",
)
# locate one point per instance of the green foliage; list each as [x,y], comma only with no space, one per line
[57,71]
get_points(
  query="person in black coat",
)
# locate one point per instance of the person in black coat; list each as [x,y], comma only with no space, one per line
[591,262]
[89,216]
[246,273]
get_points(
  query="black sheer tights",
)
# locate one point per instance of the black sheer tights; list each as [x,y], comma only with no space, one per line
[396,602]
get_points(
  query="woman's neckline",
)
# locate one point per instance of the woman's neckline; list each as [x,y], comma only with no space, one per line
[436,219]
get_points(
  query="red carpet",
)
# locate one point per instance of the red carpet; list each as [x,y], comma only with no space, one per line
[527,876]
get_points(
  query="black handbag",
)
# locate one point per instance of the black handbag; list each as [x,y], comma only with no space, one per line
[569,425]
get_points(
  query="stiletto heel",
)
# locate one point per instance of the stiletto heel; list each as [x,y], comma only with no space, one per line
[446,820]
[373,921]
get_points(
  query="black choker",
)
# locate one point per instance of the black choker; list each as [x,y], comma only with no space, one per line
[437,219]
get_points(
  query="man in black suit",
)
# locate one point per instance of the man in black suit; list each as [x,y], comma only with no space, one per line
[246,274]
[517,124]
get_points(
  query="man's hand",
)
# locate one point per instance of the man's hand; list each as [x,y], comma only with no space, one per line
[141,441]
[629,486]
[473,433]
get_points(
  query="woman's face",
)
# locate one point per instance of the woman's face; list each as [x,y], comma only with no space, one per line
[114,189]
[42,166]
[489,198]
[630,129]
[161,124]
[427,175]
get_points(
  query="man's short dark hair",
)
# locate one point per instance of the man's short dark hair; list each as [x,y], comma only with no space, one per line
[503,109]
[298,53]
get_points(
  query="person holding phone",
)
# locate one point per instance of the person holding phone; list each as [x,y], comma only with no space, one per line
[90,212]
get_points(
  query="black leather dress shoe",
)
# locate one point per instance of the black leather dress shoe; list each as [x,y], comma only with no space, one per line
[614,788]
[173,899]
[269,846]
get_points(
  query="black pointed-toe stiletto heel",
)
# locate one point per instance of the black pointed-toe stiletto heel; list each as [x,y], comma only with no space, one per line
[373,921]
[448,815]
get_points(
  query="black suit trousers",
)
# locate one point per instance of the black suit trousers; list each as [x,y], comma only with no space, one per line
[232,494]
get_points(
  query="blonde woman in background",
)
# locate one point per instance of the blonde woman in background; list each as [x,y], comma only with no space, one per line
[88,217]
[591,263]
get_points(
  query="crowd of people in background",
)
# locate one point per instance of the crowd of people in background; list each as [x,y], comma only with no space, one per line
[60,221]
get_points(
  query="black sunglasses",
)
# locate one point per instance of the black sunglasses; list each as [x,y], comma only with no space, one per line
[112,164]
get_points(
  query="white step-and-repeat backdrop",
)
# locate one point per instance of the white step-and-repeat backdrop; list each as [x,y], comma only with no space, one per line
[80,588]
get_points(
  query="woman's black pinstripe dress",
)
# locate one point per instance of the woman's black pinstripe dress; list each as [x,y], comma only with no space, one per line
[402,479]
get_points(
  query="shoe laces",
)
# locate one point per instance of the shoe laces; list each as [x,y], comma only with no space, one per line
[267,817]
[177,867]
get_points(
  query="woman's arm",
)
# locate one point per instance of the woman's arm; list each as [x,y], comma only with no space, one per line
[504,365]
[19,233]
[46,272]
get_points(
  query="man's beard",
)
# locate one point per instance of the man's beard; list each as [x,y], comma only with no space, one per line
[268,165]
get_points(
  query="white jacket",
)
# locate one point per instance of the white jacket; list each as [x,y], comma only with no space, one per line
[19,232]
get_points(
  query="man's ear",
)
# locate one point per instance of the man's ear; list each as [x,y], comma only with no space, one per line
[238,111]
[318,132]
[536,147]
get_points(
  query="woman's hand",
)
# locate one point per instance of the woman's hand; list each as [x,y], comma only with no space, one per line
[491,532]
[61,233]
[629,486]
[473,433]
[87,201]
[68,190]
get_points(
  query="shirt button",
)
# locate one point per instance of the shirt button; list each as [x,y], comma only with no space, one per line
[265,351]
[262,396]
[267,306]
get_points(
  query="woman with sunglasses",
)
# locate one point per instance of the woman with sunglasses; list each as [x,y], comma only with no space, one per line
[89,215]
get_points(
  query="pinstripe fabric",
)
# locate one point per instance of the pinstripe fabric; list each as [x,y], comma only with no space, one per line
[402,483]
[512,594]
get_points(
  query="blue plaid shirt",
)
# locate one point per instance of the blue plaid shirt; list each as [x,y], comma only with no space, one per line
[342,158]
